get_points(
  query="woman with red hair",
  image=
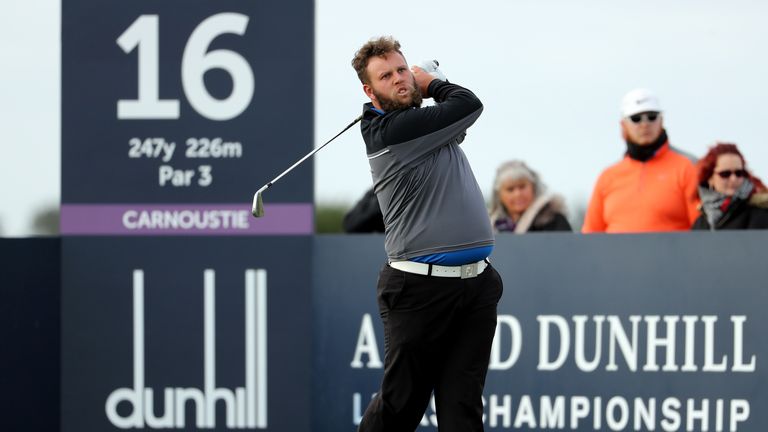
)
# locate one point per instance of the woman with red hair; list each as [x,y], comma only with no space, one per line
[731,197]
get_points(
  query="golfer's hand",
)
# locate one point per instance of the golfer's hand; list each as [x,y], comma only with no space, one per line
[423,79]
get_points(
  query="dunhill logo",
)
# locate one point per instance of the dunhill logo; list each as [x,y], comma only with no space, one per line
[246,407]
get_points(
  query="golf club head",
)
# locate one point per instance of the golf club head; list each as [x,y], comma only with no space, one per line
[257,209]
[258,206]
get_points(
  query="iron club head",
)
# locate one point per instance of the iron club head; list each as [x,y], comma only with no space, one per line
[257,209]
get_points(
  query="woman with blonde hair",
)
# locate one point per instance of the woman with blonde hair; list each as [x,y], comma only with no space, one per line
[521,203]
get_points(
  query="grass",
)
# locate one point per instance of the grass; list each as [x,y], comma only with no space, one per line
[328,218]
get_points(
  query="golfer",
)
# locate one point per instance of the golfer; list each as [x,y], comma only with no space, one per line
[437,294]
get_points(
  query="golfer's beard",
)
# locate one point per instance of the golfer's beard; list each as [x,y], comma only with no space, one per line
[388,104]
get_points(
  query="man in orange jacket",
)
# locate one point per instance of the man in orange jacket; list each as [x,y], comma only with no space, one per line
[653,188]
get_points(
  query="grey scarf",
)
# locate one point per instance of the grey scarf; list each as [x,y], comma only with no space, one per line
[712,201]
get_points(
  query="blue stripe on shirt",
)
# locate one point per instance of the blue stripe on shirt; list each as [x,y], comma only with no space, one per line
[460,257]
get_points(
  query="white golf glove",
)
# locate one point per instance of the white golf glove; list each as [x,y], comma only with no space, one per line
[430,66]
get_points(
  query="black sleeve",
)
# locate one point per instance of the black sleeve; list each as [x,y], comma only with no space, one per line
[758,218]
[365,216]
[700,223]
[560,223]
[453,103]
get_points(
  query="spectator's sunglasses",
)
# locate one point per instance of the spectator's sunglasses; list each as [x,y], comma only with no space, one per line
[649,116]
[726,174]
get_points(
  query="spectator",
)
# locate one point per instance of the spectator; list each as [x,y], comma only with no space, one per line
[365,216]
[653,188]
[731,197]
[521,203]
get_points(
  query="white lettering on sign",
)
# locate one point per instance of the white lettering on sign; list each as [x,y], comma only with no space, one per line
[624,345]
[246,407]
[151,148]
[615,413]
[169,176]
[506,324]
[185,219]
[366,345]
[660,338]
[197,59]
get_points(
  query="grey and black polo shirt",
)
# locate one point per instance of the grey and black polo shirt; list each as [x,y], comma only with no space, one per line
[427,192]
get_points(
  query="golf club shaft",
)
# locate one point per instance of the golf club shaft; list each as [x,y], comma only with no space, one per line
[308,155]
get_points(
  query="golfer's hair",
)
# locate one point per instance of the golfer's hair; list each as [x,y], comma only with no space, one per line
[373,48]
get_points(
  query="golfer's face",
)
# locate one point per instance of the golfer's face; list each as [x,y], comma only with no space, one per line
[391,80]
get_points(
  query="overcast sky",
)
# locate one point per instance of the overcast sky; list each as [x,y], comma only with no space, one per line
[550,74]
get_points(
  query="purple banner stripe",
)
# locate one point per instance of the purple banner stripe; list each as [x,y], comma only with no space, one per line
[185,219]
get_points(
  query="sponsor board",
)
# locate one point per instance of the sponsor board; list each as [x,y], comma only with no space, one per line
[185,334]
[245,406]
[647,333]
[30,332]
[173,115]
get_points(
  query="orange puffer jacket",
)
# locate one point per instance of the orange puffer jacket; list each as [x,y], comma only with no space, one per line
[652,196]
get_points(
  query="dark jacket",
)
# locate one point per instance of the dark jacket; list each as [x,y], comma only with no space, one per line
[549,220]
[546,213]
[365,216]
[740,214]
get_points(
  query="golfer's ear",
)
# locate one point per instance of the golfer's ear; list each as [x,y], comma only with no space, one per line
[369,92]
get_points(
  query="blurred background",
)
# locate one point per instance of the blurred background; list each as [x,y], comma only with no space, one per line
[550,73]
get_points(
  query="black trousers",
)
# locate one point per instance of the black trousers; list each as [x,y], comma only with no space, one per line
[437,337]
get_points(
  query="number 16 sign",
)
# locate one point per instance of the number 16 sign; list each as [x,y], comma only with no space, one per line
[173,110]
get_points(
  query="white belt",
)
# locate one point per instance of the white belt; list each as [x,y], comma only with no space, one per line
[465,271]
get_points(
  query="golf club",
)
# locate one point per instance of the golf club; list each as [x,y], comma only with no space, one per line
[258,206]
